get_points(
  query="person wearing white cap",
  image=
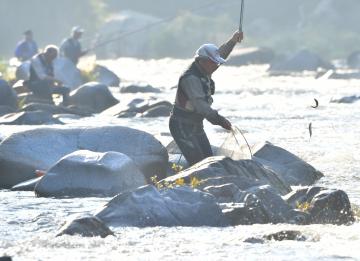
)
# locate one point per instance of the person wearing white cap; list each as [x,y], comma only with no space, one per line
[71,47]
[194,98]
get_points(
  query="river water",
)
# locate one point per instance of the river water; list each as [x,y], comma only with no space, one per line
[267,108]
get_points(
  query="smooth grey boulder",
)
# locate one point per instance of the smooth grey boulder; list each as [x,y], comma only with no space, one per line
[346,99]
[246,173]
[105,76]
[324,205]
[86,227]
[293,170]
[93,96]
[147,206]
[137,88]
[38,149]
[251,55]
[29,118]
[161,109]
[67,72]
[303,60]
[8,96]
[85,173]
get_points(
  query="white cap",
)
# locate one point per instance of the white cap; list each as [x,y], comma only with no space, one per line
[210,51]
[77,29]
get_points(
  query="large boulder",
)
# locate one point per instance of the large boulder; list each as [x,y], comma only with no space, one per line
[252,55]
[293,170]
[324,205]
[130,46]
[303,60]
[85,173]
[148,206]
[243,173]
[24,152]
[93,96]
[29,118]
[4,109]
[8,96]
[105,76]
[67,73]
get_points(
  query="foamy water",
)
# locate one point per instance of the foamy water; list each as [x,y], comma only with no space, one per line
[275,109]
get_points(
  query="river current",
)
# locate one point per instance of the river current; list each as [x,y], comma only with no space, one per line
[277,109]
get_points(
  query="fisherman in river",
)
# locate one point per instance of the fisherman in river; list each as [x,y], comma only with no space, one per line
[26,48]
[42,81]
[71,47]
[193,101]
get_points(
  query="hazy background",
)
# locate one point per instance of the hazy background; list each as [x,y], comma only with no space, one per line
[329,27]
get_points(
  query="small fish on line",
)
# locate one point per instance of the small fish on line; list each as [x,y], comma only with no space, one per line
[316,104]
[310,129]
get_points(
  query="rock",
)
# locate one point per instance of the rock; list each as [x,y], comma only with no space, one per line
[136,88]
[303,60]
[29,118]
[85,173]
[244,174]
[54,109]
[105,76]
[131,46]
[160,109]
[23,71]
[324,205]
[28,185]
[8,96]
[147,206]
[67,73]
[346,99]
[293,170]
[6,110]
[279,236]
[345,76]
[252,55]
[5,258]
[93,96]
[24,152]
[86,227]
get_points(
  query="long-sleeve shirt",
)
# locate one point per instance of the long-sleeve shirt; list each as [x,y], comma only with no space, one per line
[71,49]
[199,101]
[25,50]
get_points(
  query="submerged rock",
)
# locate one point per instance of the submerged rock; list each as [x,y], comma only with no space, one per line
[137,88]
[86,227]
[24,152]
[346,99]
[278,236]
[147,206]
[85,173]
[93,96]
[324,205]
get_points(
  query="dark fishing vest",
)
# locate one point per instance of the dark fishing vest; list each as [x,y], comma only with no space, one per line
[49,69]
[208,86]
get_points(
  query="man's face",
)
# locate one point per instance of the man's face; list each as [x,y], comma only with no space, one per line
[210,66]
[77,35]
[50,56]
[28,36]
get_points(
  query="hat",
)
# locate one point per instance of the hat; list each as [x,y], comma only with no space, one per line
[210,51]
[77,29]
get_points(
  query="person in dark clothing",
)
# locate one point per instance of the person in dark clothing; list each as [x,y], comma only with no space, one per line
[71,47]
[42,81]
[194,98]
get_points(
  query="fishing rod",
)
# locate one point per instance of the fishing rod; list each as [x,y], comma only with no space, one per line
[126,34]
[241,16]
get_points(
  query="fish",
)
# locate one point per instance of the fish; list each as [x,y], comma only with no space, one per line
[316,104]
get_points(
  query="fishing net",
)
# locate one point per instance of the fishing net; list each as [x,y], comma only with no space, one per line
[235,146]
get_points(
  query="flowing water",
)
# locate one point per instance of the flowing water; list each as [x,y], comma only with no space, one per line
[276,109]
